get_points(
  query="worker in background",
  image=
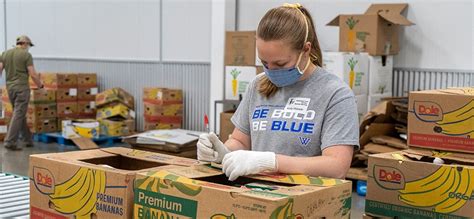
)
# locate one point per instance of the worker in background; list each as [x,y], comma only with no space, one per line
[18,65]
[296,117]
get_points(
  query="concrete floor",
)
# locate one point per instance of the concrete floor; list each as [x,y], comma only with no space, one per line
[16,162]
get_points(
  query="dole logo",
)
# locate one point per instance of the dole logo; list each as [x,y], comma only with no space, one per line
[428,111]
[44,180]
[389,177]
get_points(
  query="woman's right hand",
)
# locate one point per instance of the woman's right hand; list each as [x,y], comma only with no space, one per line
[210,148]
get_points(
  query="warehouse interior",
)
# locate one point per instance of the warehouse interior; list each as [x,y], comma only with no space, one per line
[145,79]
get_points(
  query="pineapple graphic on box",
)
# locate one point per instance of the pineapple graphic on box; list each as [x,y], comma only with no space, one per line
[351,35]
[235,73]
[352,63]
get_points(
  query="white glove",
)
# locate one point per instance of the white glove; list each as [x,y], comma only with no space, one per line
[243,162]
[210,148]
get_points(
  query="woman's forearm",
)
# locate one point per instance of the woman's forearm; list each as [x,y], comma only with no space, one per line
[333,166]
[234,144]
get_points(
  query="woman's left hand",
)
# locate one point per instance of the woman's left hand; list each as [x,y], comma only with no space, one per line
[243,162]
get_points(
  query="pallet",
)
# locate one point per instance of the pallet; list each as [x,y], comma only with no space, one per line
[56,137]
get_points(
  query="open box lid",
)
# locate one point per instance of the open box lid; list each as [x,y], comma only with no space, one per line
[151,156]
[419,154]
[389,12]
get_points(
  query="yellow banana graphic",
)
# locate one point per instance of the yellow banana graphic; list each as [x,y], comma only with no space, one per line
[78,195]
[428,183]
[457,122]
[460,196]
[446,190]
[436,192]
[223,216]
[69,187]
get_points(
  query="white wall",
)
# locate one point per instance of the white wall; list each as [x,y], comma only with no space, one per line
[107,29]
[2,28]
[442,37]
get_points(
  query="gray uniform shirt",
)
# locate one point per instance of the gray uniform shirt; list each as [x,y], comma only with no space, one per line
[301,119]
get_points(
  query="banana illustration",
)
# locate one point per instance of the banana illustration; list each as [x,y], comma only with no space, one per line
[457,122]
[446,190]
[285,212]
[78,195]
[223,216]
[157,180]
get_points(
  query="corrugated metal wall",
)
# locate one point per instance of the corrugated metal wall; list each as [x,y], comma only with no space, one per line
[413,79]
[133,76]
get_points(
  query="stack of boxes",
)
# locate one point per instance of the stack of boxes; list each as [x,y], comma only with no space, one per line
[41,113]
[115,112]
[434,178]
[367,43]
[163,108]
[65,86]
[86,93]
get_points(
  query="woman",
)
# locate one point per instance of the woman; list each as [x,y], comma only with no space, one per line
[296,118]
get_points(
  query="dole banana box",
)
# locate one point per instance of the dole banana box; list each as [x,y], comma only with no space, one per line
[42,125]
[150,125]
[407,184]
[86,93]
[117,127]
[115,95]
[86,108]
[67,109]
[162,95]
[66,94]
[152,109]
[59,80]
[202,191]
[442,119]
[44,110]
[42,96]
[117,110]
[92,183]
[86,80]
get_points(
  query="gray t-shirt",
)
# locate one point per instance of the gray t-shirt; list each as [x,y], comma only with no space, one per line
[301,119]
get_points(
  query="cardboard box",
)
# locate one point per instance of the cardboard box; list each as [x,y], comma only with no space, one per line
[240,48]
[66,94]
[86,93]
[375,31]
[44,110]
[3,128]
[380,74]
[407,184]
[165,119]
[350,67]
[226,126]
[86,108]
[442,119]
[80,128]
[117,127]
[86,80]
[67,109]
[115,95]
[202,191]
[152,109]
[150,125]
[162,95]
[43,125]
[376,99]
[96,183]
[237,78]
[7,108]
[42,96]
[59,80]
[117,110]
[362,109]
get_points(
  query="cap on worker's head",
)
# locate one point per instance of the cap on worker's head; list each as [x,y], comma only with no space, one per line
[23,39]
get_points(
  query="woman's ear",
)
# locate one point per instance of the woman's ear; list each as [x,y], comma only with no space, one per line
[307,47]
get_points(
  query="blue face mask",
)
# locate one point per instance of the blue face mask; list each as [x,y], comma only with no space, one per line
[285,76]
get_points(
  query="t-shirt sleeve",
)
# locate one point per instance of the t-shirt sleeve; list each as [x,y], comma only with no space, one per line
[29,59]
[240,119]
[341,123]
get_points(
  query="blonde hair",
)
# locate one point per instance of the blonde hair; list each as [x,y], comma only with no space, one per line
[293,24]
